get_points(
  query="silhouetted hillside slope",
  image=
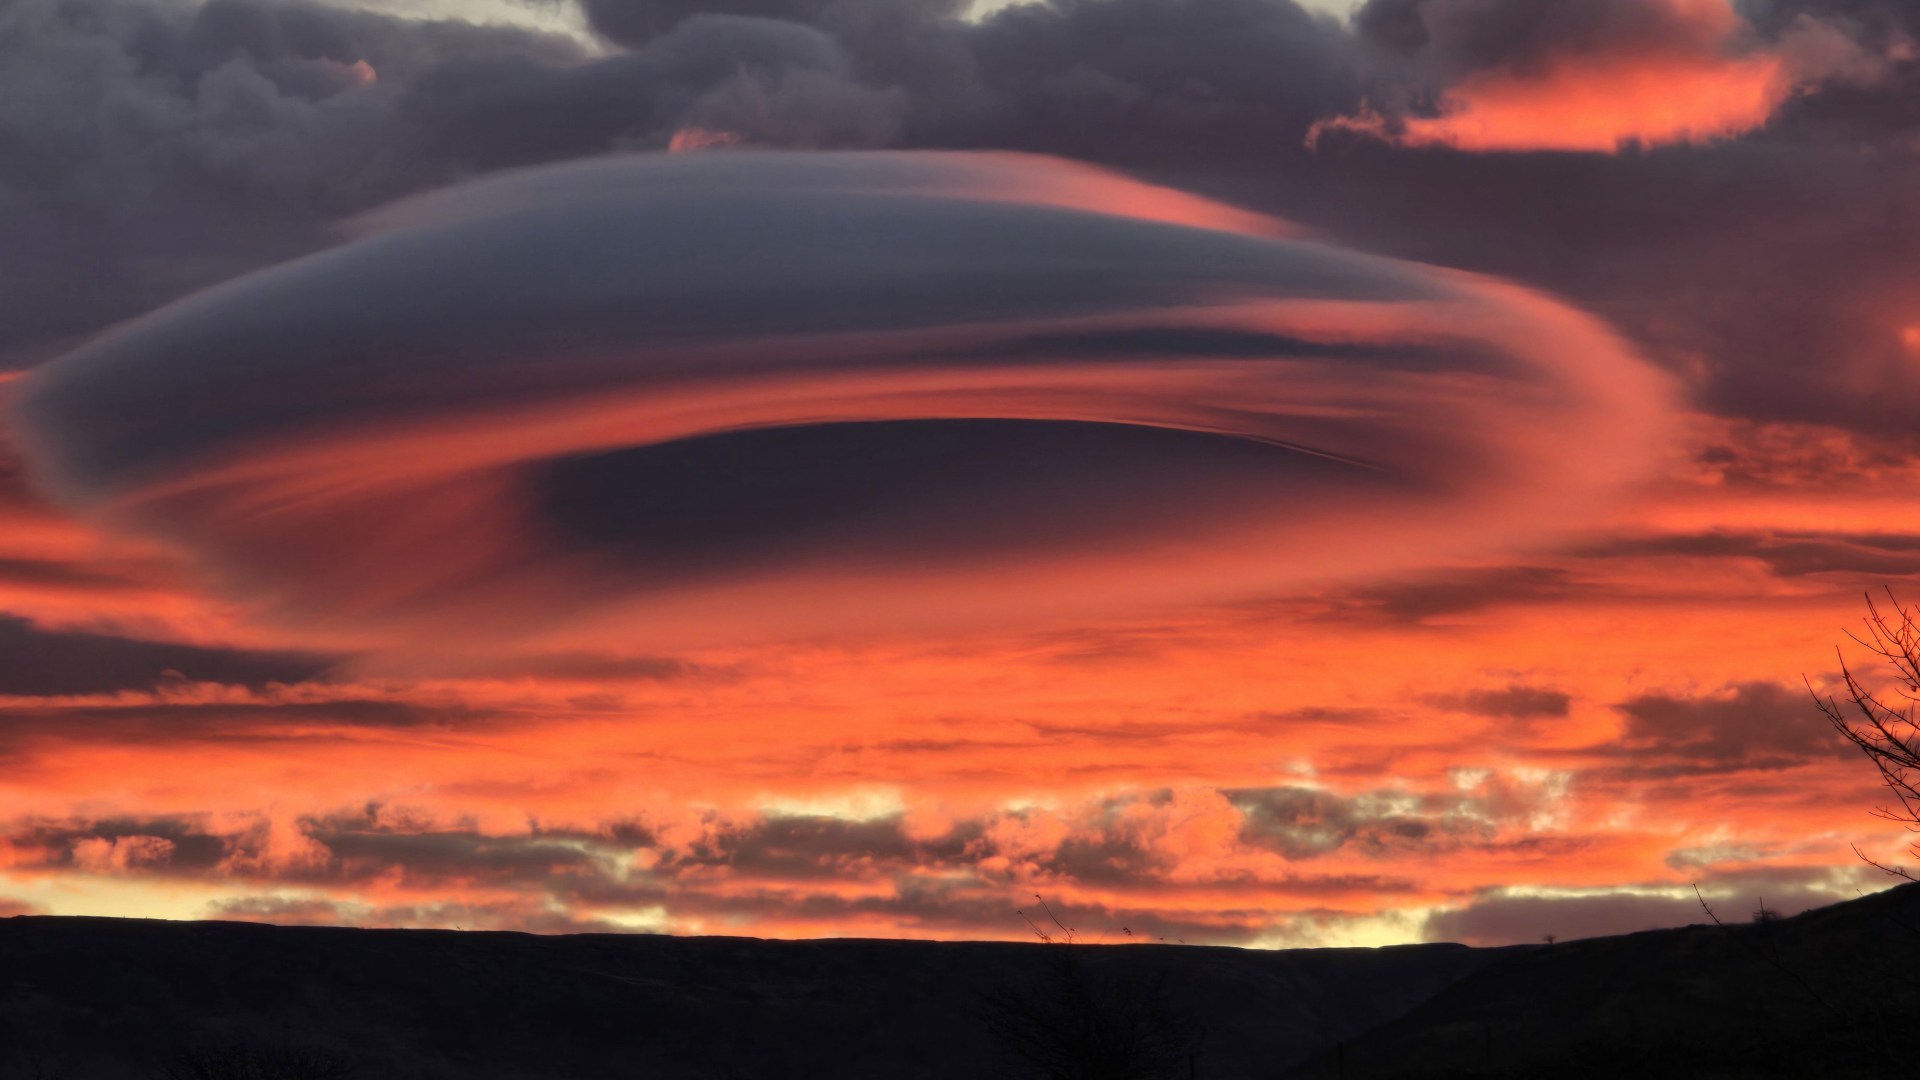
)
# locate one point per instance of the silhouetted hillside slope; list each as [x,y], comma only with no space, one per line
[110,998]
[1831,993]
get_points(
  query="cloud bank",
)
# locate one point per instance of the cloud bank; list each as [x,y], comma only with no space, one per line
[731,390]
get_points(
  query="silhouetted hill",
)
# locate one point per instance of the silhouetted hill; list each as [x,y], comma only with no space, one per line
[112,997]
[1831,993]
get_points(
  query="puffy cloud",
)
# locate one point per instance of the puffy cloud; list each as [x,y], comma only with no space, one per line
[156,147]
[158,845]
[1595,75]
[693,391]
[1197,863]
[145,184]
[99,856]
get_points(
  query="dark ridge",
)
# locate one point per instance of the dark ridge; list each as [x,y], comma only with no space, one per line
[1829,993]
[110,998]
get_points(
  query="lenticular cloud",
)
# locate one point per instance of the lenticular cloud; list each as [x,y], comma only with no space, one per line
[694,397]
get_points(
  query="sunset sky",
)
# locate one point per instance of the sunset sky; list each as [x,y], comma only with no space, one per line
[1250,472]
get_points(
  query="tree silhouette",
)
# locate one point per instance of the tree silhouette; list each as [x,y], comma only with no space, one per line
[1883,724]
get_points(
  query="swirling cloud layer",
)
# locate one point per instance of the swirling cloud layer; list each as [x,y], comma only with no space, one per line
[701,395]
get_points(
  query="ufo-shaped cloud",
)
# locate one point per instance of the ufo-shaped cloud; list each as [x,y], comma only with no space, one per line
[690,397]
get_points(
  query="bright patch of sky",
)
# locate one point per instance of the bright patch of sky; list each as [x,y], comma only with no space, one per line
[551,16]
[562,17]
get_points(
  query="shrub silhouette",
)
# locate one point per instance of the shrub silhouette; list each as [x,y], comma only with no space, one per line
[1077,1022]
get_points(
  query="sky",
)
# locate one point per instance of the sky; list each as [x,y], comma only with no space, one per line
[1247,473]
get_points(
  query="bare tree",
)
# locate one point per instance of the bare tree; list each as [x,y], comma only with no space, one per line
[1883,723]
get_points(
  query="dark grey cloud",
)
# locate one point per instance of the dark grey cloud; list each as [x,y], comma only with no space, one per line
[1304,822]
[1750,456]
[1114,80]
[1745,725]
[803,863]
[1504,917]
[1670,252]
[168,845]
[156,147]
[1516,701]
[1878,19]
[635,22]
[1513,920]
[1785,553]
[930,905]
[350,848]
[1153,81]
[138,722]
[444,857]
[1509,920]
[1453,38]
[285,911]
[39,661]
[768,81]
[959,487]
[527,916]
[149,148]
[1443,594]
[587,667]
[780,844]
[167,146]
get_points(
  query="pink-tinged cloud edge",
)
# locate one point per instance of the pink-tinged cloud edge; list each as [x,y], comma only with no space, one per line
[1715,84]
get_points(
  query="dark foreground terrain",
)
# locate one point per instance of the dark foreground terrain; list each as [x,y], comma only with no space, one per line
[1825,995]
[106,998]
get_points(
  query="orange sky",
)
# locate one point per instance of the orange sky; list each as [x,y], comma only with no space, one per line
[1524,649]
[1618,716]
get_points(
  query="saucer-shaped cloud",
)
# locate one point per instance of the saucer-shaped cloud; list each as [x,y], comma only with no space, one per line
[686,398]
